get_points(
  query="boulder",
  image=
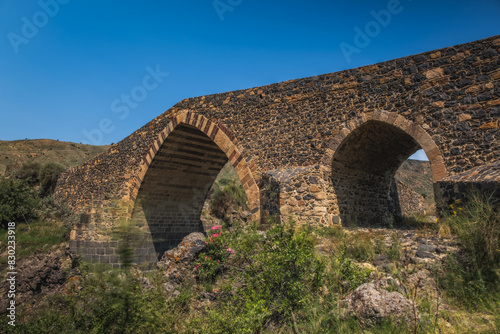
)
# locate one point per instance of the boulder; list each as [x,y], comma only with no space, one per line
[372,304]
[176,261]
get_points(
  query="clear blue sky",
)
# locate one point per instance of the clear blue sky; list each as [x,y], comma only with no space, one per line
[65,69]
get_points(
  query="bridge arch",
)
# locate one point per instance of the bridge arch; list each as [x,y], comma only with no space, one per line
[363,158]
[176,174]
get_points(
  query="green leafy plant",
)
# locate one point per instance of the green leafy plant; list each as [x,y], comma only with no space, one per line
[214,258]
[228,195]
[349,272]
[29,172]
[18,201]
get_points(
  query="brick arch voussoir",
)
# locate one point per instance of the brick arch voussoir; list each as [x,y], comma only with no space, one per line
[224,139]
[421,136]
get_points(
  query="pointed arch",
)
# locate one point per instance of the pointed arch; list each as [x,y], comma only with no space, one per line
[224,139]
[176,174]
[363,158]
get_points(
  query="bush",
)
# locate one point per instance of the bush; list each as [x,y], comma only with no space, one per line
[18,201]
[29,172]
[228,195]
[283,273]
[49,174]
[213,259]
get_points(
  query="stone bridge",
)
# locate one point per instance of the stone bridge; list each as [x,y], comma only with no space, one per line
[322,149]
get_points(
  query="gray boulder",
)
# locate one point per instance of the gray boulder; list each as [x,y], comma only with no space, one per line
[176,261]
[372,304]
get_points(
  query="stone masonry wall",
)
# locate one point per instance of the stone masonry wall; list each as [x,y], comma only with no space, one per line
[410,201]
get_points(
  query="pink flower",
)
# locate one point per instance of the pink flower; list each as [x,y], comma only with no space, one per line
[216,227]
[197,267]
[215,235]
[230,250]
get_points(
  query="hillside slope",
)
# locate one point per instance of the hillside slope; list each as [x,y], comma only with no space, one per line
[13,154]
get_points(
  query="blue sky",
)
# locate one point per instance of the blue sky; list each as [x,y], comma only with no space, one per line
[67,66]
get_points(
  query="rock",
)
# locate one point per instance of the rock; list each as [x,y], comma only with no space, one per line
[390,284]
[387,267]
[186,251]
[380,259]
[424,255]
[175,261]
[146,284]
[372,304]
[208,296]
[426,248]
[421,280]
[169,289]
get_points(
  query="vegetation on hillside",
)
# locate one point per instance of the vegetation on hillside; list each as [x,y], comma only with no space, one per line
[13,154]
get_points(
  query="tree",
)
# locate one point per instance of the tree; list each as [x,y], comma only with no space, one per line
[18,201]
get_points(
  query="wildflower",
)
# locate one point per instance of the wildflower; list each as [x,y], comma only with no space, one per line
[216,227]
[215,235]
[197,266]
[230,250]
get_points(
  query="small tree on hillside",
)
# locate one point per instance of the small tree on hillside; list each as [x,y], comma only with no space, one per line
[18,201]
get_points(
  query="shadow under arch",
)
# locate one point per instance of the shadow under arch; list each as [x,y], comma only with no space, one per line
[363,159]
[176,175]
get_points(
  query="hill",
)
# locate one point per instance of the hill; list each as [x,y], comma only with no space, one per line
[13,154]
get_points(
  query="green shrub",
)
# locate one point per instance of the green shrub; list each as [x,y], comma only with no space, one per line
[284,272]
[349,272]
[49,174]
[212,261]
[394,251]
[359,247]
[18,201]
[228,195]
[29,172]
